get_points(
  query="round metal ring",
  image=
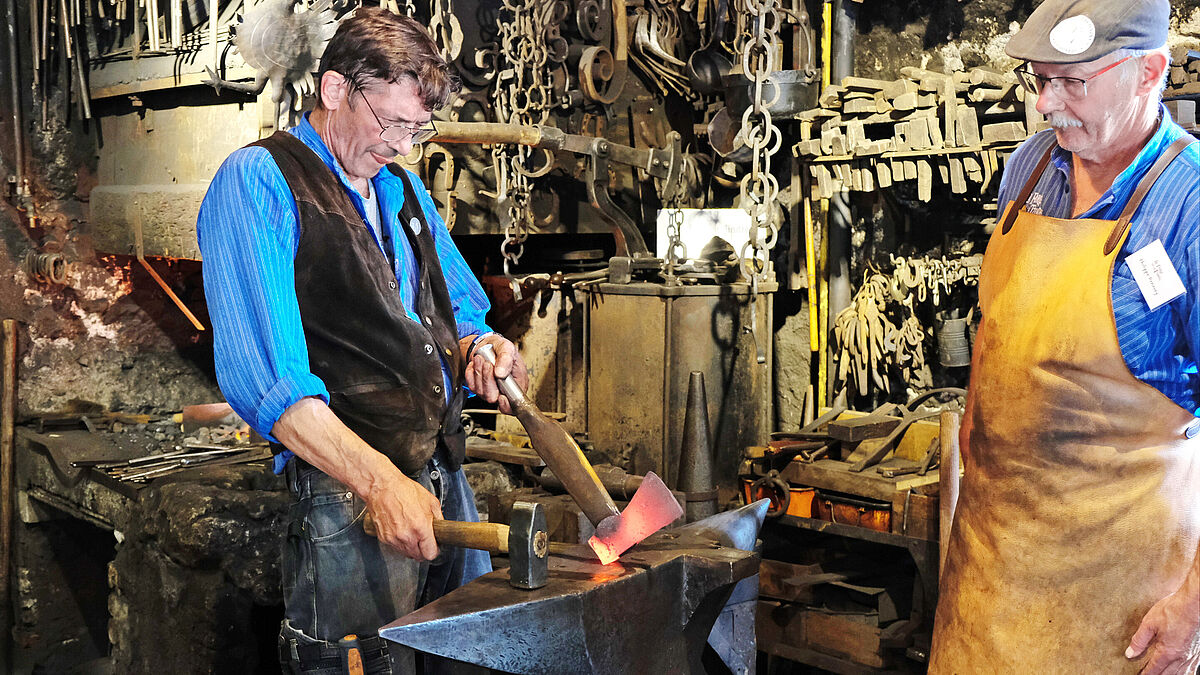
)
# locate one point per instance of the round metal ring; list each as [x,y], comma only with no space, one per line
[783,492]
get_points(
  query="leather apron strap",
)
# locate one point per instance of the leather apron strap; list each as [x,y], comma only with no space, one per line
[1143,189]
[1010,214]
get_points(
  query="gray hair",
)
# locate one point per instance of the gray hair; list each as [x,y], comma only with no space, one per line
[1127,73]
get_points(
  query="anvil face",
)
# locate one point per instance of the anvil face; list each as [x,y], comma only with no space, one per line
[650,612]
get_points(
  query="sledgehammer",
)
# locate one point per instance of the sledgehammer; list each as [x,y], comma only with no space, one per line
[652,507]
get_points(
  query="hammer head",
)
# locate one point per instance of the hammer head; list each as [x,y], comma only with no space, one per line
[652,508]
[528,546]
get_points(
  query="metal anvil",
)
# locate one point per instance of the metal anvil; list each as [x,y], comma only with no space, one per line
[650,612]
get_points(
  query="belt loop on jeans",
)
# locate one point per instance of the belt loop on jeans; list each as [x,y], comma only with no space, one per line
[290,474]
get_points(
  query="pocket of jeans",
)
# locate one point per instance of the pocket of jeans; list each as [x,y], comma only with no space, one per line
[332,515]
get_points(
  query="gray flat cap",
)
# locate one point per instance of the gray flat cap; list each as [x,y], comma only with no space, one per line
[1078,31]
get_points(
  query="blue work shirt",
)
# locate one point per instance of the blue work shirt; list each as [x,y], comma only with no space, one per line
[248,232]
[1161,346]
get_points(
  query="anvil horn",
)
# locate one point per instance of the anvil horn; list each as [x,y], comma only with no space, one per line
[737,528]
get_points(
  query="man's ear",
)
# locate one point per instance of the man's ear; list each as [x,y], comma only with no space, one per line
[1154,66]
[335,90]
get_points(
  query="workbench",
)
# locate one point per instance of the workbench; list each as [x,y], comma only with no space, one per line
[180,574]
[190,583]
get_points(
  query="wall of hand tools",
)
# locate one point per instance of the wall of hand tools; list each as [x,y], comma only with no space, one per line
[118,86]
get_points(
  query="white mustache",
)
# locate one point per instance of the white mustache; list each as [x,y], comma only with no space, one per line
[1063,121]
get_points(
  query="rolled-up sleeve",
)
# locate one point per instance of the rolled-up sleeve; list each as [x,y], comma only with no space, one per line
[248,233]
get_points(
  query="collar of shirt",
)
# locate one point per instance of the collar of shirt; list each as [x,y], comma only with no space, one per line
[385,182]
[1126,181]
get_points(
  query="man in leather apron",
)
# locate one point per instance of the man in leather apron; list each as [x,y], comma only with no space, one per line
[1074,543]
[346,324]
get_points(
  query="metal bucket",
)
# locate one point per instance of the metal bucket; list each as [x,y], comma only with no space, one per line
[953,345]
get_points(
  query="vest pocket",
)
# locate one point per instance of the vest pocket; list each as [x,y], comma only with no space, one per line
[383,404]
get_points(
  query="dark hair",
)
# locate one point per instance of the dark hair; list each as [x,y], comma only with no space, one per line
[377,44]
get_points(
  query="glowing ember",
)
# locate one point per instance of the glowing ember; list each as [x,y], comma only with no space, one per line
[652,508]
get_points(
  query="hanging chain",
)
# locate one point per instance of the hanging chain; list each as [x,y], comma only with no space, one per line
[759,189]
[674,240]
[676,250]
[522,94]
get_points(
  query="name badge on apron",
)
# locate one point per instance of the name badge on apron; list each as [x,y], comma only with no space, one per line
[1155,275]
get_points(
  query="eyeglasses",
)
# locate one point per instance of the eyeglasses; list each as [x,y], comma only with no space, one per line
[1066,88]
[395,133]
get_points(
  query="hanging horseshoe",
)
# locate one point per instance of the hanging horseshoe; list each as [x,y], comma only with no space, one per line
[532,170]
[439,162]
[557,47]
[479,68]
[447,32]
[559,11]
[466,97]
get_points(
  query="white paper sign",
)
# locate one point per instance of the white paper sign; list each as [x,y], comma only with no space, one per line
[1155,275]
[701,225]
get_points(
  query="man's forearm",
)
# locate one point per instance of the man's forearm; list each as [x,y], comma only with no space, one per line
[315,434]
[403,509]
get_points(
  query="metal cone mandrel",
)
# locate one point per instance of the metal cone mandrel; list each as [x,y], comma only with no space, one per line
[695,453]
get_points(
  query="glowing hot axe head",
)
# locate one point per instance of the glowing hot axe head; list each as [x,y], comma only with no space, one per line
[652,508]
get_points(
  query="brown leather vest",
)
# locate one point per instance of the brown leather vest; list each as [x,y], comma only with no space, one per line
[1079,507]
[383,370]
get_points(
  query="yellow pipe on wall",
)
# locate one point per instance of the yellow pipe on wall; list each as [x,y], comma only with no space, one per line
[826,44]
[814,343]
[823,316]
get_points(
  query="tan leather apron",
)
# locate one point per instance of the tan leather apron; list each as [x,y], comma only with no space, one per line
[1080,507]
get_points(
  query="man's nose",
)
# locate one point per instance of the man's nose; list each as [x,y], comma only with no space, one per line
[1049,100]
[401,147]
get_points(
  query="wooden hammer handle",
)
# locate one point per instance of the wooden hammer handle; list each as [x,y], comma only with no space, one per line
[490,537]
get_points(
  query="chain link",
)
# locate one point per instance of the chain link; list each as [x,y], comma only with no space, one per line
[522,93]
[759,189]
[674,240]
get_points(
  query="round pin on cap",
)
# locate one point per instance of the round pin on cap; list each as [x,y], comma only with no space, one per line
[1074,35]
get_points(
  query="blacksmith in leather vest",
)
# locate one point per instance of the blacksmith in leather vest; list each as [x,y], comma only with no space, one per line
[383,370]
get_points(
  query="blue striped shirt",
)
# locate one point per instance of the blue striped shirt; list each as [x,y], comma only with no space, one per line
[1161,347]
[248,232]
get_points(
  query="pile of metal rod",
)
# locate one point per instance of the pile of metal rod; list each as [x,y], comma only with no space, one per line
[143,469]
[61,38]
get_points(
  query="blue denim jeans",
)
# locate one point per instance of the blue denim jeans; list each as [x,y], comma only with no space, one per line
[339,580]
